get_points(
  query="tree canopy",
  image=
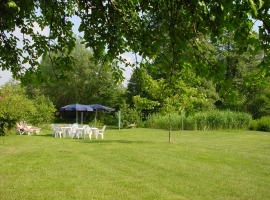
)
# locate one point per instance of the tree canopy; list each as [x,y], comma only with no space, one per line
[144,27]
[86,82]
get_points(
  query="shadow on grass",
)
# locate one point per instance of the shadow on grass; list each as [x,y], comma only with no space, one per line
[45,135]
[96,141]
[112,141]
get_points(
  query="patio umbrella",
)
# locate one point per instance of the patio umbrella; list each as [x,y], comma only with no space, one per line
[76,107]
[97,107]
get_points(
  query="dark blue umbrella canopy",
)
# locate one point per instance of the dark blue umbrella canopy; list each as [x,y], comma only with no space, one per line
[101,107]
[97,107]
[76,107]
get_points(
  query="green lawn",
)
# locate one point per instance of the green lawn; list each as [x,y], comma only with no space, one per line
[137,164]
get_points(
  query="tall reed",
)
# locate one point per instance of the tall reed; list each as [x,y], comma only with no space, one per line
[210,120]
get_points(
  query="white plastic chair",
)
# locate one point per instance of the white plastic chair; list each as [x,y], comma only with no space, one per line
[80,131]
[57,130]
[87,131]
[73,131]
[53,129]
[19,128]
[31,131]
[101,132]
[20,131]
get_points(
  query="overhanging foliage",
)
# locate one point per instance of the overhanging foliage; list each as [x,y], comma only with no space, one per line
[140,26]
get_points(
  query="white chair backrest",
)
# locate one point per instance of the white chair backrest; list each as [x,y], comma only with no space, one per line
[87,129]
[75,126]
[57,127]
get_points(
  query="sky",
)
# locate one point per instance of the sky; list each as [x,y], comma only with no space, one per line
[6,75]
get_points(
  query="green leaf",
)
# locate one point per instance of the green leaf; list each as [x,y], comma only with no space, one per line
[253,7]
[260,4]
[12,4]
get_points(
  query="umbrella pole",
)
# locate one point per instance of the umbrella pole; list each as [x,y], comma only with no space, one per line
[96,119]
[76,116]
[82,118]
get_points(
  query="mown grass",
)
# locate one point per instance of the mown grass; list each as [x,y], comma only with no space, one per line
[137,164]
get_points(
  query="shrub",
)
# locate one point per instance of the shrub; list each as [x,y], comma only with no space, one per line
[216,120]
[190,123]
[211,120]
[253,125]
[45,110]
[15,106]
[263,124]
[162,121]
[130,116]
[201,122]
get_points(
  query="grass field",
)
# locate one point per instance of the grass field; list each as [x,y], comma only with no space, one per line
[137,164]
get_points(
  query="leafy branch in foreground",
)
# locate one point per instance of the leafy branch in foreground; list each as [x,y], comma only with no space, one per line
[112,28]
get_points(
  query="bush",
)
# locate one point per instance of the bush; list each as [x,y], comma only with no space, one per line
[15,106]
[130,116]
[263,124]
[161,121]
[217,120]
[211,120]
[45,110]
[253,125]
[190,123]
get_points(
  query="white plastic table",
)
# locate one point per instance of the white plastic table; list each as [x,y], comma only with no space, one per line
[65,129]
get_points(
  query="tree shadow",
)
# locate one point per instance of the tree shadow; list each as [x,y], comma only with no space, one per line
[45,135]
[94,141]
[97,141]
